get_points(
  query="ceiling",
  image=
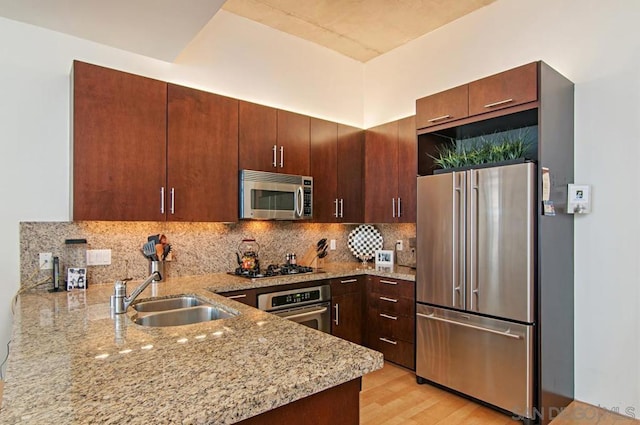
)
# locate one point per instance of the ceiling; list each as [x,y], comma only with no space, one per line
[360,29]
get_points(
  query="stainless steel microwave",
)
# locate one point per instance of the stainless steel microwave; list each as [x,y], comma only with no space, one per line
[275,196]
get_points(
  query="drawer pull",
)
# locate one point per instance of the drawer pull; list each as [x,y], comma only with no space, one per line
[391,300]
[386,316]
[349,281]
[444,117]
[235,297]
[388,341]
[502,102]
[388,282]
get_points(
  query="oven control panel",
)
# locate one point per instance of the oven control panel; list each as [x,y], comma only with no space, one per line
[283,299]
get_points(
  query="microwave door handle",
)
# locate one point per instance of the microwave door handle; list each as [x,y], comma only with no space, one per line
[299,200]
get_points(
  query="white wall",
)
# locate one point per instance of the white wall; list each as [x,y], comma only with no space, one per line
[596,45]
[34,106]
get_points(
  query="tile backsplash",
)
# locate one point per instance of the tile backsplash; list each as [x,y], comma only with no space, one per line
[198,248]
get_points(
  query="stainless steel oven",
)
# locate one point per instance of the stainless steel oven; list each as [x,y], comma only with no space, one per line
[308,306]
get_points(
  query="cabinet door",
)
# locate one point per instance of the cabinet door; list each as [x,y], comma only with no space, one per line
[257,137]
[324,155]
[381,173]
[346,317]
[503,90]
[293,143]
[407,169]
[350,173]
[202,151]
[119,145]
[449,105]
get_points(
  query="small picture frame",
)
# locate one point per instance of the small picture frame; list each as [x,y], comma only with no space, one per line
[76,278]
[384,258]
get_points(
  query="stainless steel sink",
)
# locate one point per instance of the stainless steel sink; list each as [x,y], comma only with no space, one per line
[183,316]
[183,301]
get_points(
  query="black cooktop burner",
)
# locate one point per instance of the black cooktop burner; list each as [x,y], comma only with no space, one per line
[273,270]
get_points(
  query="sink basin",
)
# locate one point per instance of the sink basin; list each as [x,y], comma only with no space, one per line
[183,316]
[183,301]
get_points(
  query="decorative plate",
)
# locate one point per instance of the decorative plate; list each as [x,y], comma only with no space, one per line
[364,240]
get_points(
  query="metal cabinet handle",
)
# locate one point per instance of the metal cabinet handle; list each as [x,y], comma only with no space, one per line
[336,214]
[388,341]
[393,207]
[391,300]
[444,117]
[506,333]
[337,309]
[388,282]
[399,208]
[235,297]
[341,208]
[386,316]
[162,200]
[349,281]
[173,201]
[502,102]
[275,161]
[281,156]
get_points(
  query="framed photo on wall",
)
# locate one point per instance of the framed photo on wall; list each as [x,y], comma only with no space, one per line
[384,258]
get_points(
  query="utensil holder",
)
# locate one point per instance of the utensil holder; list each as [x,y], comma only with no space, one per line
[157,266]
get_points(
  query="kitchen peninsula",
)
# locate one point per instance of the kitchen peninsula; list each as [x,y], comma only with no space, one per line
[72,361]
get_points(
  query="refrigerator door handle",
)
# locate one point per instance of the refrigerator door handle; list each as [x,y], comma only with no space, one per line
[473,240]
[506,333]
[459,207]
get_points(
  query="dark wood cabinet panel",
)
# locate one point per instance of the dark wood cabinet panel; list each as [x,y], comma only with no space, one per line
[293,143]
[323,157]
[257,137]
[381,173]
[347,308]
[504,90]
[394,350]
[439,108]
[246,296]
[407,169]
[350,173]
[202,152]
[392,326]
[392,287]
[119,144]
[394,305]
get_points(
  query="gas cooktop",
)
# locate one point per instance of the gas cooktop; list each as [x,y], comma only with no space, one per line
[273,270]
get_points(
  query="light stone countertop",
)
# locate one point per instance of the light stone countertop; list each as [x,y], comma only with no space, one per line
[72,362]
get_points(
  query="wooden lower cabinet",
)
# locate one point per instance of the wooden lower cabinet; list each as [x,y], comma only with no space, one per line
[391,319]
[347,308]
[246,296]
[337,405]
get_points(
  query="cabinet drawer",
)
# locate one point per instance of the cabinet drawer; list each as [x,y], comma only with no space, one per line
[442,107]
[503,90]
[247,296]
[390,326]
[346,285]
[395,306]
[392,287]
[396,351]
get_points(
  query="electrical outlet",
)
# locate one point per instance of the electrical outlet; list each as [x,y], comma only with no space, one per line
[45,261]
[399,245]
[332,244]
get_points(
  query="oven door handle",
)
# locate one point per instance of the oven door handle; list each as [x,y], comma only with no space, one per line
[305,314]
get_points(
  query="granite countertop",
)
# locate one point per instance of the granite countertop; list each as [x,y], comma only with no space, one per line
[72,361]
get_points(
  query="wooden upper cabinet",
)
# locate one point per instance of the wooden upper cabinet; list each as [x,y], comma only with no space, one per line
[407,169]
[439,108]
[350,167]
[202,171]
[323,160]
[119,144]
[293,143]
[504,90]
[381,173]
[257,137]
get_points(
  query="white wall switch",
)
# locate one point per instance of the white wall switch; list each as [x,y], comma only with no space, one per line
[332,244]
[399,245]
[98,257]
[45,261]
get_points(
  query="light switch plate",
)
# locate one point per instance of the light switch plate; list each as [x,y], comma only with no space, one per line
[45,261]
[332,244]
[98,257]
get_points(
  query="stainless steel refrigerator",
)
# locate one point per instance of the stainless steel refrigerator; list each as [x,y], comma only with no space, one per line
[475,284]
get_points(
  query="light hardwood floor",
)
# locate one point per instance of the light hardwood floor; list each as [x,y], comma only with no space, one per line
[390,396]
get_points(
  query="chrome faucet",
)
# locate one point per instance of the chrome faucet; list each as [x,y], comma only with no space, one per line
[119,300]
